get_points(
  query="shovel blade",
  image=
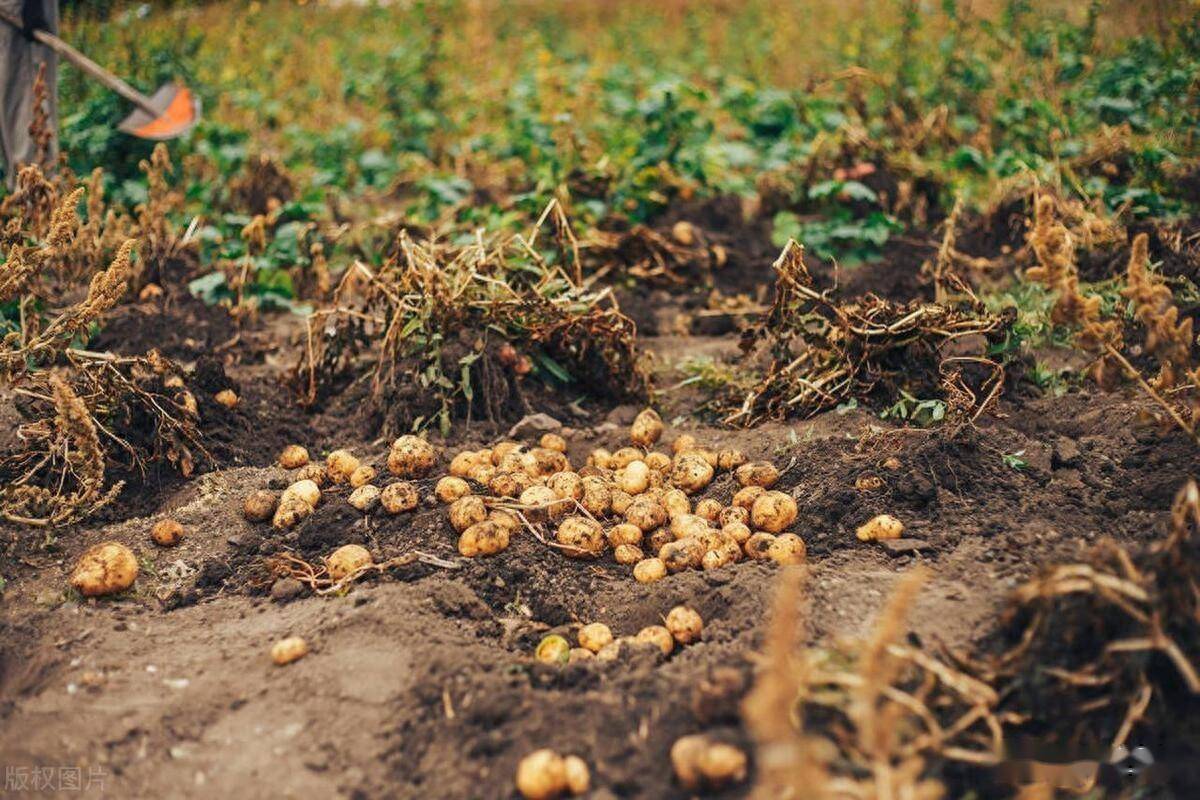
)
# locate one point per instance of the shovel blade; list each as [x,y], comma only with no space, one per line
[178,112]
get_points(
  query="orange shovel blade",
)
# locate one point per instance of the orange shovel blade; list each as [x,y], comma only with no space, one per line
[178,113]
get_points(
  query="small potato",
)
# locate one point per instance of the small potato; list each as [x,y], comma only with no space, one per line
[628,554]
[658,462]
[745,497]
[578,777]
[365,498]
[482,473]
[346,560]
[467,511]
[624,533]
[541,503]
[505,519]
[773,512]
[722,764]
[657,539]
[483,539]
[167,533]
[548,462]
[509,484]
[709,509]
[758,546]
[597,497]
[594,636]
[259,505]
[567,485]
[688,525]
[634,478]
[676,502]
[340,464]
[683,554]
[411,457]
[612,650]
[362,476]
[788,549]
[399,497]
[285,651]
[647,428]
[757,473]
[657,635]
[714,559]
[600,458]
[293,457]
[868,483]
[691,472]
[737,531]
[187,401]
[884,526]
[449,489]
[105,569]
[578,654]
[685,760]
[685,624]
[649,570]
[461,464]
[553,649]
[315,473]
[626,456]
[581,537]
[730,459]
[290,513]
[732,514]
[621,501]
[645,514]
[502,449]
[227,398]
[542,775]
[305,490]
[684,443]
[892,464]
[552,441]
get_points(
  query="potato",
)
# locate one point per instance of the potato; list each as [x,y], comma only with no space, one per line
[597,497]
[745,497]
[676,502]
[411,457]
[757,473]
[449,489]
[787,549]
[509,484]
[567,485]
[187,402]
[578,654]
[709,456]
[259,505]
[688,525]
[683,554]
[659,636]
[737,531]
[166,533]
[315,473]
[868,483]
[709,509]
[721,764]
[647,428]
[758,546]
[884,526]
[628,554]
[482,473]
[362,476]
[594,636]
[773,512]
[691,472]
[502,449]
[612,650]
[714,559]
[892,463]
[624,533]
[634,478]
[581,537]
[505,519]
[645,514]
[685,760]
[684,443]
[285,651]
[658,462]
[621,500]
[552,441]
[578,777]
[655,541]
[553,649]
[399,497]
[548,462]
[346,560]
[685,624]
[626,456]
[290,513]
[293,457]
[540,503]
[600,458]
[105,569]
[483,539]
[467,511]
[730,459]
[365,498]
[461,464]
[542,775]
[227,398]
[340,464]
[305,490]
[649,570]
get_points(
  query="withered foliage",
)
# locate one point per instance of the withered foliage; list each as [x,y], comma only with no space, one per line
[657,258]
[444,331]
[262,186]
[824,352]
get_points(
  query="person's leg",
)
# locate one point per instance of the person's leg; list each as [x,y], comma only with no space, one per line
[20,61]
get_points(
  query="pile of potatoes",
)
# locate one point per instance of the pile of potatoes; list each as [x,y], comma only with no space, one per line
[544,775]
[681,626]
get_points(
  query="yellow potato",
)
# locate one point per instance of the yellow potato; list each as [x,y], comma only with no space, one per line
[259,505]
[626,456]
[659,462]
[683,554]
[449,489]
[884,526]
[540,503]
[773,512]
[709,509]
[721,764]
[567,485]
[676,502]
[346,560]
[621,500]
[634,478]
[757,473]
[581,537]
[285,651]
[293,457]
[411,457]
[542,775]
[362,476]
[365,498]
[645,514]
[105,569]
[647,428]
[399,497]
[737,531]
[688,525]
[227,398]
[467,511]
[684,443]
[657,635]
[649,570]
[691,473]
[340,464]
[594,636]
[730,459]
[548,462]
[745,497]
[552,441]
[732,514]
[305,490]
[167,533]
[509,484]
[628,554]
[483,539]
[787,549]
[685,624]
[597,497]
[461,464]
[578,777]
[313,472]
[624,533]
[502,449]
[291,512]
[600,458]
[553,649]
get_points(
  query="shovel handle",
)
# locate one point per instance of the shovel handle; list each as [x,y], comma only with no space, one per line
[86,64]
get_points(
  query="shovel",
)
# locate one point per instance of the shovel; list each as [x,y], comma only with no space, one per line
[170,112]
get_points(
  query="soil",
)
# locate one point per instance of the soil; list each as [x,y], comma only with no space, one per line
[420,682]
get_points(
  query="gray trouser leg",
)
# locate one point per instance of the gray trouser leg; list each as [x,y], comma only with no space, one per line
[20,61]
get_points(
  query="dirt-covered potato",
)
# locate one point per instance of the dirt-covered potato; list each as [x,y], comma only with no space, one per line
[745,497]
[552,441]
[700,763]
[685,624]
[227,398]
[305,490]
[293,457]
[684,443]
[259,505]
[773,512]
[362,476]
[621,500]
[647,428]
[688,525]
[597,497]
[502,449]
[709,509]
[757,473]
[540,503]
[658,462]
[167,533]
[567,485]
[682,554]
[676,502]
[884,526]
[399,497]
[730,459]
[868,483]
[482,473]
[649,570]
[600,458]
[657,539]
[313,472]
[628,554]
[581,537]
[578,654]
[645,514]
[346,560]
[691,473]
[365,498]
[467,511]
[594,636]
[411,457]
[713,559]
[505,519]
[626,456]
[787,549]
[291,512]
[449,489]
[542,775]
[461,464]
[483,539]
[659,636]
[548,462]
[553,649]
[340,465]
[509,484]
[758,546]
[633,478]
[624,533]
[739,532]
[107,568]
[579,779]
[285,651]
